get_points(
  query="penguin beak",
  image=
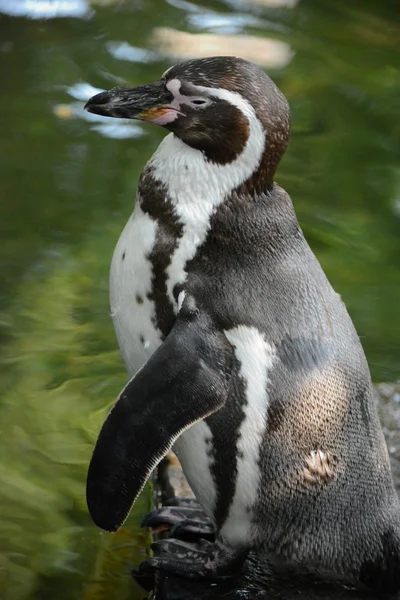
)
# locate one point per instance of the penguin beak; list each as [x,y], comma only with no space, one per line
[148,102]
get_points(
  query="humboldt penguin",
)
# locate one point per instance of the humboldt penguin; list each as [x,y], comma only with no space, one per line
[241,355]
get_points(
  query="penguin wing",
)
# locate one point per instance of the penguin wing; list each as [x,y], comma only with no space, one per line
[185,380]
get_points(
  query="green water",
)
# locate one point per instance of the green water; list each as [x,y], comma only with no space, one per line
[68,186]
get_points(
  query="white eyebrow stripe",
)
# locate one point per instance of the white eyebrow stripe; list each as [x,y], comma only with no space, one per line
[167,71]
[174,85]
[233,98]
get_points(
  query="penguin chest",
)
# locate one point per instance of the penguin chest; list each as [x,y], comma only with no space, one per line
[132,305]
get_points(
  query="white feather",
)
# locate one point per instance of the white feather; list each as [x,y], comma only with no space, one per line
[256,357]
[181,299]
[130,278]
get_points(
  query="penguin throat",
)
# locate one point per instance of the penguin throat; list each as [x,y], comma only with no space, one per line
[197,184]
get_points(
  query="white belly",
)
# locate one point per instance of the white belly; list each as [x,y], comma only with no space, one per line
[130,284]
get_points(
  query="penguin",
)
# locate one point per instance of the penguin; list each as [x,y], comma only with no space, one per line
[241,356]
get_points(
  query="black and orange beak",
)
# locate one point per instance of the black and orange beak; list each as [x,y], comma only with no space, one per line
[144,102]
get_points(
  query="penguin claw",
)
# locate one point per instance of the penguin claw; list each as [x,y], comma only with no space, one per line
[204,560]
[192,529]
[181,522]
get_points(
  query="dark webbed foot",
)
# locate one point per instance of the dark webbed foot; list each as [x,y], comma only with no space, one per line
[184,522]
[196,555]
[204,560]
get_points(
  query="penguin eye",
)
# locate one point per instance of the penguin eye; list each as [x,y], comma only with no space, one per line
[198,101]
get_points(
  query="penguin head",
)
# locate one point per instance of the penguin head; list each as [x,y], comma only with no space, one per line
[210,104]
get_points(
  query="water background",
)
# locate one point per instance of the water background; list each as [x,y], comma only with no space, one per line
[67,187]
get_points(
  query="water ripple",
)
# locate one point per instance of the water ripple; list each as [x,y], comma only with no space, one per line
[124,51]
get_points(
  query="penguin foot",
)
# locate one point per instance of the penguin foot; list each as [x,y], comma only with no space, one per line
[204,560]
[184,522]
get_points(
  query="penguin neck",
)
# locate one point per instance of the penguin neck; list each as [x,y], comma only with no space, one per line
[183,190]
[194,184]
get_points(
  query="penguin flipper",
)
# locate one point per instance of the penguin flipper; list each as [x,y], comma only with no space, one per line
[184,381]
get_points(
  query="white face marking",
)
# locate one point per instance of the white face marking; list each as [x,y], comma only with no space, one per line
[256,359]
[173,110]
[180,100]
[130,280]
[192,449]
[174,85]
[167,71]
[176,107]
[197,187]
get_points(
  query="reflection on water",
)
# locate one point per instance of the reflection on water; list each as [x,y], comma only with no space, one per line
[45,9]
[68,186]
[181,45]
